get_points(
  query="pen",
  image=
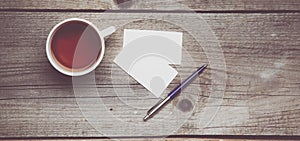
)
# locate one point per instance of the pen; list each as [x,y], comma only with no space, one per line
[173,93]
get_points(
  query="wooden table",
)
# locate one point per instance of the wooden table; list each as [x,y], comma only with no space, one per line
[253,73]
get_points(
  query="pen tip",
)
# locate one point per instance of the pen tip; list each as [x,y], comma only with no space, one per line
[146,117]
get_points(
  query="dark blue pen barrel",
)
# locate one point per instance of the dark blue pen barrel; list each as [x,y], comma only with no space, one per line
[187,81]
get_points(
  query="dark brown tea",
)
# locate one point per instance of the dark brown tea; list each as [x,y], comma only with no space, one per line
[75,45]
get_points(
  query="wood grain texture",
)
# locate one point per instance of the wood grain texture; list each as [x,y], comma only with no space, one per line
[195,5]
[141,139]
[262,88]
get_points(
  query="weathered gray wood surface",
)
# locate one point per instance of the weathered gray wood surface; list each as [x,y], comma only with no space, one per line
[197,5]
[262,64]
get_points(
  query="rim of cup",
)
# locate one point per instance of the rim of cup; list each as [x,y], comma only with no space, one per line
[58,66]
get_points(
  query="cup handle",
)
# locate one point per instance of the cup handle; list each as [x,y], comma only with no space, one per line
[107,31]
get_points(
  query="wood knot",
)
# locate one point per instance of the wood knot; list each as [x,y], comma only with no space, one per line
[185,105]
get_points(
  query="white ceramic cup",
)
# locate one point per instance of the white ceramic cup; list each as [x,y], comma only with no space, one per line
[69,72]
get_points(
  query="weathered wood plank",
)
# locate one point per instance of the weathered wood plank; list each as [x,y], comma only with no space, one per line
[57,4]
[192,138]
[196,5]
[142,139]
[262,63]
